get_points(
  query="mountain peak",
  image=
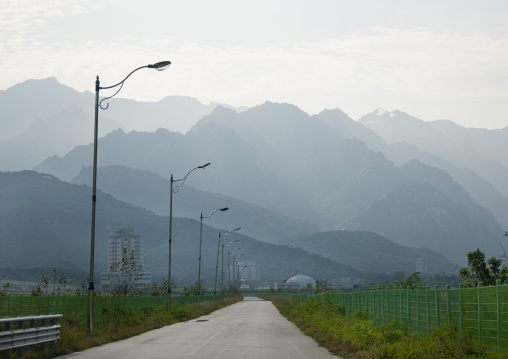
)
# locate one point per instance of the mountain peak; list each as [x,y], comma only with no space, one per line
[380,111]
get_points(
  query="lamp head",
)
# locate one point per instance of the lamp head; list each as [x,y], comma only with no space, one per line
[236,229]
[160,66]
[205,165]
[224,209]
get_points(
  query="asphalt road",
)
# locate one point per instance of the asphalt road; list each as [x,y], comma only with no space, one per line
[252,328]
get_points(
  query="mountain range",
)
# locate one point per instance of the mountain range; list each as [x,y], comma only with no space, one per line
[433,186]
[46,222]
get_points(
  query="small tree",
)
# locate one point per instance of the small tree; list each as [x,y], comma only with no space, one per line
[412,281]
[322,286]
[480,271]
[124,274]
[83,290]
[3,290]
[45,283]
[59,282]
[157,290]
[193,290]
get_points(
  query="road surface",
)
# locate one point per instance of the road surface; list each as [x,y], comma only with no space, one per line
[252,328]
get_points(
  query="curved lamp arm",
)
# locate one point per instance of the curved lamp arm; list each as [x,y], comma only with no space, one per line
[159,66]
[210,215]
[185,177]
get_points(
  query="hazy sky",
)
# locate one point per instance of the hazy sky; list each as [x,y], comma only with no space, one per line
[431,59]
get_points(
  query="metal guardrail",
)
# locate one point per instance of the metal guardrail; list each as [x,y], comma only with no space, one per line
[20,338]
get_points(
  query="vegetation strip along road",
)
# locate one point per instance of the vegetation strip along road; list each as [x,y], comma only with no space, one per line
[354,337]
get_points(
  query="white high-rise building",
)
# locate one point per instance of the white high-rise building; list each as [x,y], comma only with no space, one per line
[249,271]
[421,265]
[125,242]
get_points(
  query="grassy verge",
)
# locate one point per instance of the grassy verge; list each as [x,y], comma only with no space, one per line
[74,334]
[354,337]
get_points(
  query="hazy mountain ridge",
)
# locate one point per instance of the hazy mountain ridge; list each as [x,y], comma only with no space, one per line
[24,106]
[326,169]
[362,250]
[483,151]
[307,171]
[418,215]
[151,191]
[54,135]
[57,214]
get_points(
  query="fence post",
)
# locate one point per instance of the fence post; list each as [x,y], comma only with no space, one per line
[408,306]
[428,308]
[448,305]
[8,305]
[498,284]
[387,306]
[400,305]
[418,309]
[20,305]
[460,305]
[436,289]
[480,285]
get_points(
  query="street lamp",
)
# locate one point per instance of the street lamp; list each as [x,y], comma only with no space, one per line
[175,190]
[223,265]
[229,266]
[217,263]
[159,66]
[200,240]
[236,271]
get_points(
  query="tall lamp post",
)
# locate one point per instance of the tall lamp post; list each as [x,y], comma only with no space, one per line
[217,263]
[228,265]
[175,190]
[159,66]
[237,270]
[200,240]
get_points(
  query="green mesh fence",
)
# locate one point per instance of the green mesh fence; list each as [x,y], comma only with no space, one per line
[483,311]
[76,306]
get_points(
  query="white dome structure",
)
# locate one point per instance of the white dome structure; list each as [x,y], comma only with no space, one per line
[300,281]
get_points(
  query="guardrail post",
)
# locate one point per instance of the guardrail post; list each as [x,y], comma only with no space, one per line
[52,344]
[43,324]
[7,327]
[20,350]
[32,325]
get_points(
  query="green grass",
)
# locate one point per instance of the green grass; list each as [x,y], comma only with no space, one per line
[354,337]
[124,324]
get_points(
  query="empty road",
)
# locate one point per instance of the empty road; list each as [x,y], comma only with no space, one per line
[252,328]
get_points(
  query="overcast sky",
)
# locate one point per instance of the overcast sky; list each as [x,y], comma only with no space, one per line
[432,59]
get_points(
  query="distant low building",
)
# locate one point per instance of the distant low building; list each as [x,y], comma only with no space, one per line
[299,281]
